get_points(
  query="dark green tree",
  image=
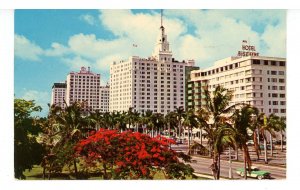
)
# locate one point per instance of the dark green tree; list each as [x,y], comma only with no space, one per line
[27,152]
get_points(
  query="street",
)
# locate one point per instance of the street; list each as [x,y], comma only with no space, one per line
[201,164]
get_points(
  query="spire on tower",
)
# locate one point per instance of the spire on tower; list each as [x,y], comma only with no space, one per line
[161,17]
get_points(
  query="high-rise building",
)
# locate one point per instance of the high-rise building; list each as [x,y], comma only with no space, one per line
[58,95]
[255,80]
[84,86]
[104,98]
[155,83]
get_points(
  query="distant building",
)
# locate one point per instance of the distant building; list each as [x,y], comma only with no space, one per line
[104,98]
[58,95]
[84,86]
[155,83]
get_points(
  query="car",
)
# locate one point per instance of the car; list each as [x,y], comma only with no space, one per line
[250,142]
[255,173]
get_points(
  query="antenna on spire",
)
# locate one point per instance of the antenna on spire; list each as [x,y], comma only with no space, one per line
[161,17]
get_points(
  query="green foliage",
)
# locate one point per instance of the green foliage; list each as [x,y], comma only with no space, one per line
[27,151]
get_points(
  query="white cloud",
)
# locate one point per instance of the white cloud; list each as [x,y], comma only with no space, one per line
[275,39]
[26,49]
[205,36]
[88,19]
[57,49]
[77,62]
[41,99]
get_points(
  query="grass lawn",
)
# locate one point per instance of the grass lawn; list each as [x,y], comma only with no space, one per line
[37,174]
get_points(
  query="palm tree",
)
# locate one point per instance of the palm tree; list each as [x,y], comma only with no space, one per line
[219,110]
[242,120]
[269,126]
[281,126]
[171,121]
[96,119]
[179,114]
[224,137]
[190,121]
[71,132]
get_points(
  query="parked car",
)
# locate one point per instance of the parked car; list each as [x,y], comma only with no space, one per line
[255,173]
[250,142]
[262,147]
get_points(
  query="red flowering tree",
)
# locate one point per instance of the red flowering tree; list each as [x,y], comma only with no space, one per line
[132,155]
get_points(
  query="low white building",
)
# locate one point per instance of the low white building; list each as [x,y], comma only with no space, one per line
[58,94]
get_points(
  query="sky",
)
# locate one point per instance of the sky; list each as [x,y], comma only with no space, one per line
[51,43]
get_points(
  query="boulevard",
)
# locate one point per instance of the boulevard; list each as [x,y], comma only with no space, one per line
[201,164]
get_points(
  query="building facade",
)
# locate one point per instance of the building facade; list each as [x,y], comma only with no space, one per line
[58,94]
[155,83]
[84,86]
[258,81]
[104,99]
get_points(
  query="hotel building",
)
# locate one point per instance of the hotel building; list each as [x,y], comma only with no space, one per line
[84,86]
[155,83]
[58,95]
[255,80]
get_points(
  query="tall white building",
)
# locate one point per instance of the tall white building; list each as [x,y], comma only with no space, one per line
[58,95]
[155,83]
[84,86]
[104,98]
[259,81]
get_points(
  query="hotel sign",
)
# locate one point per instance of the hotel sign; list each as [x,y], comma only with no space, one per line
[247,50]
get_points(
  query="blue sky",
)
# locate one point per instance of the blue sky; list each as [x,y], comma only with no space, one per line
[51,43]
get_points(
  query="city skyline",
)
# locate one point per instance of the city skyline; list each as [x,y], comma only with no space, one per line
[44,48]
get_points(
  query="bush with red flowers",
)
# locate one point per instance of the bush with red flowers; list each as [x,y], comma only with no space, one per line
[132,155]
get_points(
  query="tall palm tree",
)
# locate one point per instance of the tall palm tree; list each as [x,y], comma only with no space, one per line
[242,120]
[217,104]
[171,121]
[281,127]
[179,114]
[72,131]
[190,121]
[269,126]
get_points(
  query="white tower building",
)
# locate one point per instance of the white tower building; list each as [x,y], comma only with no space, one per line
[155,83]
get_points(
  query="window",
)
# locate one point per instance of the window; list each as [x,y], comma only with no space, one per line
[281,87]
[274,95]
[273,72]
[282,63]
[281,80]
[282,110]
[256,62]
[273,63]
[282,95]
[280,72]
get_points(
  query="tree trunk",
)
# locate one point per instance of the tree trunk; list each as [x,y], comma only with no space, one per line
[201,136]
[75,168]
[245,166]
[271,144]
[281,141]
[265,150]
[237,154]
[219,165]
[230,168]
[44,173]
[104,171]
[189,141]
